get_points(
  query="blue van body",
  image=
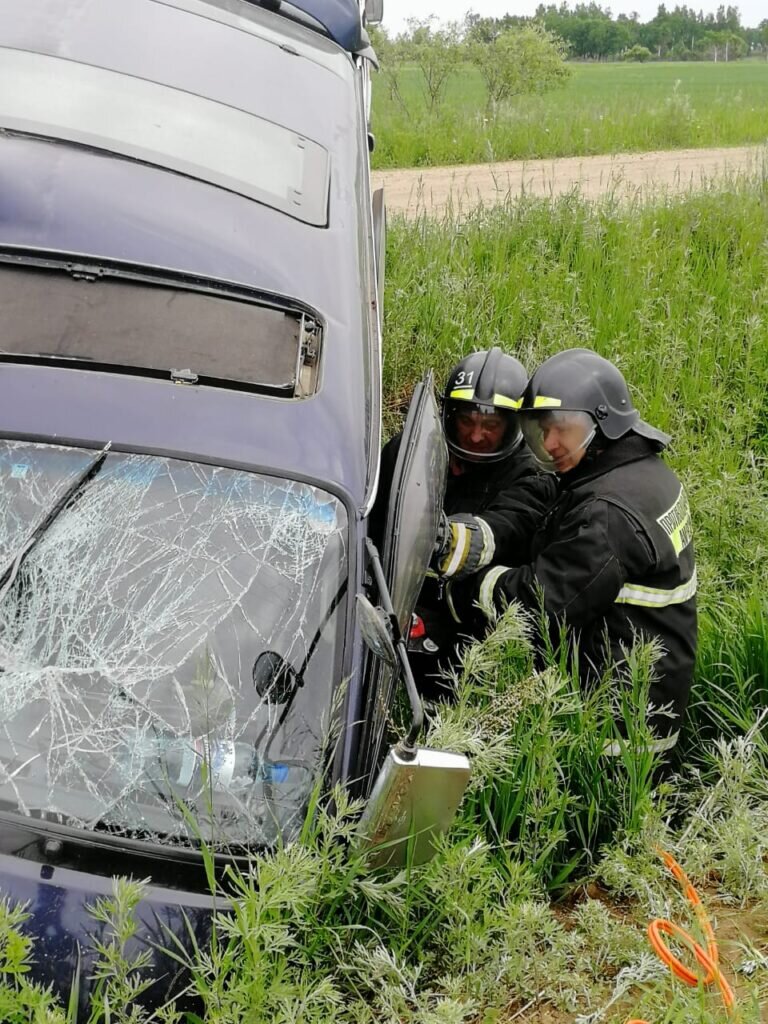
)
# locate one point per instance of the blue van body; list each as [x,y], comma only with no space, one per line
[126,210]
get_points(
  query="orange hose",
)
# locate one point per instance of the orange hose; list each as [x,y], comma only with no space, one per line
[708,958]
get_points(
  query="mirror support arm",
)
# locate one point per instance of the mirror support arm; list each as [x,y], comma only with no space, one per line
[406,748]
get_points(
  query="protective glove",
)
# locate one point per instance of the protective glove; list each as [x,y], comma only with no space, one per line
[465,545]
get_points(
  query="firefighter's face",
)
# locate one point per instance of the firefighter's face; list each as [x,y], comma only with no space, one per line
[564,443]
[479,432]
[559,439]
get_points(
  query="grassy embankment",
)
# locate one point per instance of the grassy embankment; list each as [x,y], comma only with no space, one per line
[678,294]
[603,108]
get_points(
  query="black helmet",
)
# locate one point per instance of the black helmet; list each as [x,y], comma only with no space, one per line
[484,384]
[580,381]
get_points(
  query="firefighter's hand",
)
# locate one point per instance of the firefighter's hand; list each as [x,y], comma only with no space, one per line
[466,545]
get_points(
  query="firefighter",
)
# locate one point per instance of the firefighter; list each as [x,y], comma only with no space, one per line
[613,559]
[495,494]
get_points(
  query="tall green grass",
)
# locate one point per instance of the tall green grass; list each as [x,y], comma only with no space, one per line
[604,108]
[544,792]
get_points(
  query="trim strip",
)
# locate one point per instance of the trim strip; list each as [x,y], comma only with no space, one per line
[652,597]
[461,541]
[465,393]
[542,402]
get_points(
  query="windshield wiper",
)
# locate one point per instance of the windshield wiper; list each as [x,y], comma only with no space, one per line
[11,570]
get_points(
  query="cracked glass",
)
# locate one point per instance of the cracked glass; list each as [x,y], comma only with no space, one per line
[170,644]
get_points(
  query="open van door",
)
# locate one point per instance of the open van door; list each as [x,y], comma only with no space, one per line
[415,502]
[417,790]
[407,544]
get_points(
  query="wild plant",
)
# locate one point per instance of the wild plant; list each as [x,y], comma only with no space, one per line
[676,118]
[21,1000]
[731,688]
[119,969]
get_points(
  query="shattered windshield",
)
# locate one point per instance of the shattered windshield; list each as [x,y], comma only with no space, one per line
[168,645]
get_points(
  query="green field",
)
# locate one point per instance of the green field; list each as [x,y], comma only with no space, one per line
[604,108]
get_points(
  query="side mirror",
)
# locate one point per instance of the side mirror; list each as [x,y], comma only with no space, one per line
[374,12]
[375,631]
[275,680]
[414,801]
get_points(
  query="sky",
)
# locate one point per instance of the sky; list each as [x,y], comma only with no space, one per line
[396,12]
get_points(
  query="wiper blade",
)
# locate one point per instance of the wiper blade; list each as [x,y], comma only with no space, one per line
[9,573]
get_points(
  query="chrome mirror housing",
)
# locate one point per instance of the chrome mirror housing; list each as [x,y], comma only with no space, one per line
[374,12]
[414,801]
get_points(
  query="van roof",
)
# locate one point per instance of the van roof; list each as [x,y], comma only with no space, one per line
[60,196]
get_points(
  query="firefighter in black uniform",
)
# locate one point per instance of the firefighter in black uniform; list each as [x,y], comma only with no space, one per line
[495,494]
[613,559]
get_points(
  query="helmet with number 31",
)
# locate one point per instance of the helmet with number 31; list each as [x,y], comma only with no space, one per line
[480,406]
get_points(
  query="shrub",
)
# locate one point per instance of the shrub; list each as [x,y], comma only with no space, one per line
[637,52]
[519,61]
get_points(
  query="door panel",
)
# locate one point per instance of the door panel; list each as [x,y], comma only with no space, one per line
[415,503]
[412,518]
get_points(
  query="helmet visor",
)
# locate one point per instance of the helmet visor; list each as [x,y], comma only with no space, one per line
[480,433]
[558,438]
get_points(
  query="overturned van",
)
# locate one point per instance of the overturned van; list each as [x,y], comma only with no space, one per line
[195,627]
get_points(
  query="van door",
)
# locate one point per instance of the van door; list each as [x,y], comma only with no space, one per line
[415,502]
[412,520]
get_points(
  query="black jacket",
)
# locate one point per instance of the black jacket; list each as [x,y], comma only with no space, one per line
[512,495]
[614,557]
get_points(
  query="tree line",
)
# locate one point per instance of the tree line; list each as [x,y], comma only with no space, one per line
[590,32]
[677,34]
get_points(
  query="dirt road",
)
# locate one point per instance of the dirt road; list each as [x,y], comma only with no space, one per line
[434,189]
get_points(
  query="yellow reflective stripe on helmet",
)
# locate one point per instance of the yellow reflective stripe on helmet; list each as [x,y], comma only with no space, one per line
[507,403]
[617,748]
[653,597]
[466,393]
[542,402]
[485,597]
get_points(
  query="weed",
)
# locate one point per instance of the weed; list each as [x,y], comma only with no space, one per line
[20,999]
